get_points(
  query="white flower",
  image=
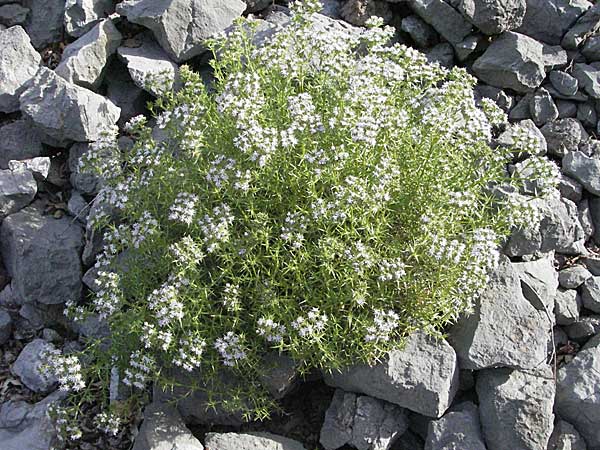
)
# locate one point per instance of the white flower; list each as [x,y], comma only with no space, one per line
[230,348]
[183,208]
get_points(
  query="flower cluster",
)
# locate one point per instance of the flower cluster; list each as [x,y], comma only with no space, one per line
[183,208]
[310,325]
[230,349]
[384,323]
[139,371]
[270,330]
[189,354]
[66,369]
[108,423]
[215,227]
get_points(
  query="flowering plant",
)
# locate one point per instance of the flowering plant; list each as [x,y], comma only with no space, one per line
[328,194]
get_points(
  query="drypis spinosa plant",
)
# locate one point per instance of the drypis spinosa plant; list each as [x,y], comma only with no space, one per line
[327,195]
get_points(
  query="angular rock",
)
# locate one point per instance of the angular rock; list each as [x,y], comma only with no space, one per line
[442,54]
[468,46]
[505,329]
[577,399]
[548,20]
[45,21]
[585,218]
[6,326]
[25,426]
[563,82]
[420,32]
[591,49]
[584,328]
[362,422]
[19,140]
[150,67]
[41,254]
[586,114]
[539,282]
[64,111]
[542,107]
[512,61]
[280,375]
[17,190]
[250,441]
[587,25]
[258,5]
[563,135]
[12,14]
[163,429]
[357,12]
[555,57]
[501,98]
[82,15]
[588,78]
[509,137]
[20,62]
[559,230]
[182,26]
[567,304]
[583,169]
[573,277]
[516,408]
[422,377]
[86,182]
[566,437]
[590,294]
[39,167]
[121,90]
[29,364]
[457,429]
[494,16]
[78,207]
[84,61]
[595,212]
[569,188]
[447,21]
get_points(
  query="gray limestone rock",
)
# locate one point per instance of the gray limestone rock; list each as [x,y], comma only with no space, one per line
[565,437]
[41,254]
[577,399]
[586,114]
[590,294]
[44,24]
[573,277]
[494,16]
[19,140]
[566,109]
[84,61]
[6,326]
[357,12]
[500,97]
[420,31]
[539,281]
[86,182]
[563,82]
[549,20]
[509,137]
[584,328]
[121,90]
[583,169]
[362,422]
[26,426]
[12,14]
[182,26]
[595,212]
[542,107]
[588,78]
[422,376]
[555,57]
[65,111]
[82,15]
[559,230]
[150,67]
[591,49]
[563,135]
[250,441]
[29,364]
[587,25]
[469,45]
[17,190]
[280,374]
[458,429]
[512,61]
[567,304]
[20,62]
[505,329]
[443,54]
[516,408]
[569,188]
[585,218]
[446,20]
[39,166]
[163,429]
[78,207]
